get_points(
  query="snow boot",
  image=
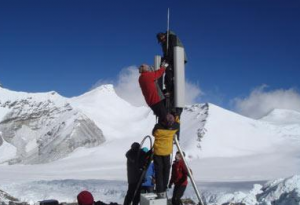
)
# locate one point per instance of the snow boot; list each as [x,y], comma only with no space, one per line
[161,195]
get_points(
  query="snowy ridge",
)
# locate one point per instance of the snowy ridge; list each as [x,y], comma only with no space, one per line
[234,135]
[287,123]
[42,127]
[113,114]
[5,197]
[282,117]
[193,129]
[8,97]
[281,192]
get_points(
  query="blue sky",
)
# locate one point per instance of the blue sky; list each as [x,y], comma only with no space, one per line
[234,47]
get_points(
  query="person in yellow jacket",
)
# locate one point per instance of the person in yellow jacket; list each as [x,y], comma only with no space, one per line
[163,147]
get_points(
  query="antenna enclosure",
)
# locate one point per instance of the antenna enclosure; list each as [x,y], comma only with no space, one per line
[179,77]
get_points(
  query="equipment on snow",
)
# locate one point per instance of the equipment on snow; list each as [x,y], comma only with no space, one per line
[49,202]
[151,199]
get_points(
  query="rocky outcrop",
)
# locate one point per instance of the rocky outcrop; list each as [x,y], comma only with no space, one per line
[44,131]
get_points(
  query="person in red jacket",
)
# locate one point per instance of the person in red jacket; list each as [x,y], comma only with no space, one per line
[86,198]
[152,93]
[179,178]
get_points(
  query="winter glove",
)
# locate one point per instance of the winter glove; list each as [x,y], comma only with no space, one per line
[164,64]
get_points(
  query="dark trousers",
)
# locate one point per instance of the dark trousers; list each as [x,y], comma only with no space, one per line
[147,189]
[129,196]
[169,79]
[169,84]
[159,110]
[162,167]
[177,194]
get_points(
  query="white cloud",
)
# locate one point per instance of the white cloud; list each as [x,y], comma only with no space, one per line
[260,102]
[128,88]
[192,93]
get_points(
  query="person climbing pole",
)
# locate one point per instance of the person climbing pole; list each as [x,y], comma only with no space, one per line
[168,41]
[151,91]
[163,133]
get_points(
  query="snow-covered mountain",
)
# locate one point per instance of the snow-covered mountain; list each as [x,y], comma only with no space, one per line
[287,123]
[43,127]
[86,137]
[284,191]
[282,117]
[38,128]
[116,117]
[5,197]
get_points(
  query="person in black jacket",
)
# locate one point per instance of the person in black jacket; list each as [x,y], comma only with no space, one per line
[168,47]
[168,41]
[137,161]
[86,198]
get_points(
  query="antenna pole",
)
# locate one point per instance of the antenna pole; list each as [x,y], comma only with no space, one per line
[168,30]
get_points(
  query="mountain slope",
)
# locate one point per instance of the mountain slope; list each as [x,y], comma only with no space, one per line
[5,197]
[116,117]
[216,140]
[235,135]
[43,127]
[287,123]
[282,117]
